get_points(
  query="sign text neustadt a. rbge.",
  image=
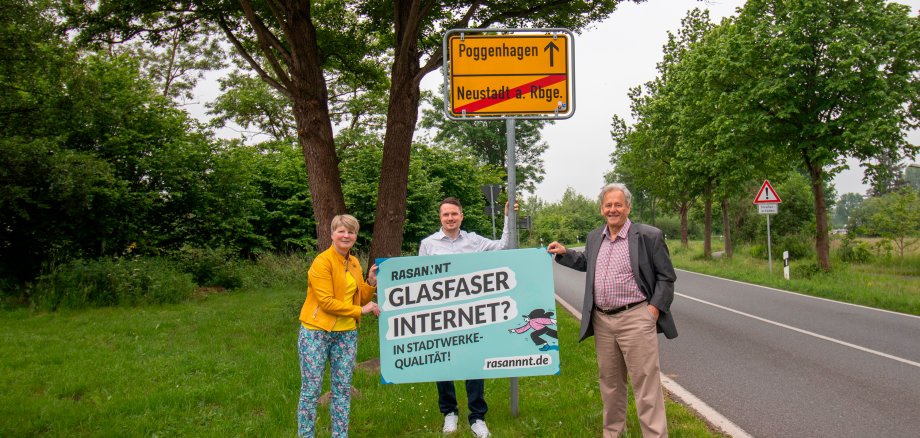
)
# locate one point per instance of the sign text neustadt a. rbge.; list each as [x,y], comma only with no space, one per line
[514,74]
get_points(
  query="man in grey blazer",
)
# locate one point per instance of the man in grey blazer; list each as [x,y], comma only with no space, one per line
[629,286]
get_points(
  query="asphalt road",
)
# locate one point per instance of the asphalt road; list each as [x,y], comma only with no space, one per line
[779,364]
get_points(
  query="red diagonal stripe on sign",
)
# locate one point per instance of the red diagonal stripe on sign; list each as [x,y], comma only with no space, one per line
[485,103]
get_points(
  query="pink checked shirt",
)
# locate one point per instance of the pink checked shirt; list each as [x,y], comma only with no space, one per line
[614,282]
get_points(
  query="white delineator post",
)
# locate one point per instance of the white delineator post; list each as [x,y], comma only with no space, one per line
[786,264]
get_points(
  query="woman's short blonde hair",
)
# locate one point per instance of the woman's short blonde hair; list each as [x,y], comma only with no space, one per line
[345,220]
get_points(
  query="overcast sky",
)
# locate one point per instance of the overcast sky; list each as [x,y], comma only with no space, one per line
[618,54]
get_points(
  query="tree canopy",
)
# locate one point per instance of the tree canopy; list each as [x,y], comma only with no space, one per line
[296,46]
[782,86]
[100,164]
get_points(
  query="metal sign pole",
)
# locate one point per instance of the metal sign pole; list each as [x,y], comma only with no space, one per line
[492,204]
[769,250]
[511,97]
[512,220]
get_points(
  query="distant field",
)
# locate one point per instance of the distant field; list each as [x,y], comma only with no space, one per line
[909,251]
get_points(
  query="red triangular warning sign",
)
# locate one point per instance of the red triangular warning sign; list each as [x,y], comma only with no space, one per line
[767,195]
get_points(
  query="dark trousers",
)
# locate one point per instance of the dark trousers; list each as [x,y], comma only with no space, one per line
[475,397]
[536,335]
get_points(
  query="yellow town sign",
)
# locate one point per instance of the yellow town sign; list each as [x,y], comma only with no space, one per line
[510,75]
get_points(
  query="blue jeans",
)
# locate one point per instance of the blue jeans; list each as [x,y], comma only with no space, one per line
[315,347]
[475,399]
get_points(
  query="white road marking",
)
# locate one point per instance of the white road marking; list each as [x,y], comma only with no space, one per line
[803,295]
[805,332]
[712,416]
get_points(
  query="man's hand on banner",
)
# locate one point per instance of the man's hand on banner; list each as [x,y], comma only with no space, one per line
[555,248]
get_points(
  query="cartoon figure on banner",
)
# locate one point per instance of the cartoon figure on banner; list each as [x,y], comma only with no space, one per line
[538,320]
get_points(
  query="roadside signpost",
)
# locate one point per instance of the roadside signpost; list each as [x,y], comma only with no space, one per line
[502,73]
[491,191]
[766,194]
[509,74]
[767,202]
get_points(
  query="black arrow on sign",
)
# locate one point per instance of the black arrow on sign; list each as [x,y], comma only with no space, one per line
[551,46]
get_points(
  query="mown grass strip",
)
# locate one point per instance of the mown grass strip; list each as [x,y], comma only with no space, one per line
[226,365]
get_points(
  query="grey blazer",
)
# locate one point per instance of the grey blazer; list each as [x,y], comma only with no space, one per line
[651,264]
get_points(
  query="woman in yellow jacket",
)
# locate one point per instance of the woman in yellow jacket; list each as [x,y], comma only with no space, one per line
[337,296]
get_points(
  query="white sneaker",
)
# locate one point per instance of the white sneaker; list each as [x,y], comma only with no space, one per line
[450,423]
[480,430]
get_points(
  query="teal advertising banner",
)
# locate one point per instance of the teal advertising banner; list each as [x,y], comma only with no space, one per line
[467,316]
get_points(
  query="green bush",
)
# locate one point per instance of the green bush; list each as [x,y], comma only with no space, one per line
[675,248]
[854,252]
[670,226]
[112,282]
[883,248]
[800,247]
[804,270]
[211,266]
[757,251]
[272,270]
[12,293]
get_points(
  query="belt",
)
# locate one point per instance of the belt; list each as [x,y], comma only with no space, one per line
[619,309]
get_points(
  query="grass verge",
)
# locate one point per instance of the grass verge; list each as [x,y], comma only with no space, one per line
[226,365]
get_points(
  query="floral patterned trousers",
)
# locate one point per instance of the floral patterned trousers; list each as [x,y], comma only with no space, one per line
[317,346]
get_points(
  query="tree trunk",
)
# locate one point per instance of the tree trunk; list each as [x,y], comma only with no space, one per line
[314,131]
[684,232]
[314,127]
[822,245]
[402,115]
[707,222]
[652,199]
[727,228]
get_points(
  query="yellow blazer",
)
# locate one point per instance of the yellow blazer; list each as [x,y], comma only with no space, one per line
[326,290]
